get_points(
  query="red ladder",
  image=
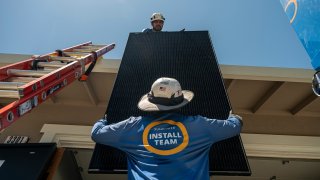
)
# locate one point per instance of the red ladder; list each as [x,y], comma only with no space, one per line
[26,84]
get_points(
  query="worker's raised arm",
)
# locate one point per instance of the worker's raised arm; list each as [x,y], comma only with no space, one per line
[109,134]
[222,129]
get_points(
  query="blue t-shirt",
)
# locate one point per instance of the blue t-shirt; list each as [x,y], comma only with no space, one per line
[170,146]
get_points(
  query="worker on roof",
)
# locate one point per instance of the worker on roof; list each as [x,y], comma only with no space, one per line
[166,144]
[157,22]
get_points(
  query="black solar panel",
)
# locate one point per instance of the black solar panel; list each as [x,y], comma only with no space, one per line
[189,58]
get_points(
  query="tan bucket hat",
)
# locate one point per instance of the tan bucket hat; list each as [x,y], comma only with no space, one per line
[165,94]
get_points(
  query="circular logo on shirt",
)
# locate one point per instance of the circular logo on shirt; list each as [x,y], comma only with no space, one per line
[165,137]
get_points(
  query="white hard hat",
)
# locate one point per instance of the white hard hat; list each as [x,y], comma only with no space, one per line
[157,16]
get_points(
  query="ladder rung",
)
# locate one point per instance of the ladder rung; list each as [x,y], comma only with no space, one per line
[50,69]
[21,79]
[10,85]
[51,65]
[18,72]
[9,94]
[84,50]
[64,59]
[93,46]
[76,54]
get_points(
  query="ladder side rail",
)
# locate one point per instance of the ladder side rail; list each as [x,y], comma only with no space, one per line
[91,56]
[77,46]
[43,81]
[10,113]
[26,64]
[65,49]
[103,50]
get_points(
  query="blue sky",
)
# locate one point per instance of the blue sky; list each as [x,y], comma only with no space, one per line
[247,32]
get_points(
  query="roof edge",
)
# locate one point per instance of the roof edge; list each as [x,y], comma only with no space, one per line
[228,71]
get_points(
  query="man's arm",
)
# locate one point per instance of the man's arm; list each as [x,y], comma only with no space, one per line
[107,134]
[223,129]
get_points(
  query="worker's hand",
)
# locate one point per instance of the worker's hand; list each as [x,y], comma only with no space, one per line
[234,115]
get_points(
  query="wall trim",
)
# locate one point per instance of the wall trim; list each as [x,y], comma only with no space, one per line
[256,145]
[68,136]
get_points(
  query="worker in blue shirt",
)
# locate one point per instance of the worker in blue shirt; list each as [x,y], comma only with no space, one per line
[165,144]
[157,22]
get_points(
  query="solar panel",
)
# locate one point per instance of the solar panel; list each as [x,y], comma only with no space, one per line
[188,57]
